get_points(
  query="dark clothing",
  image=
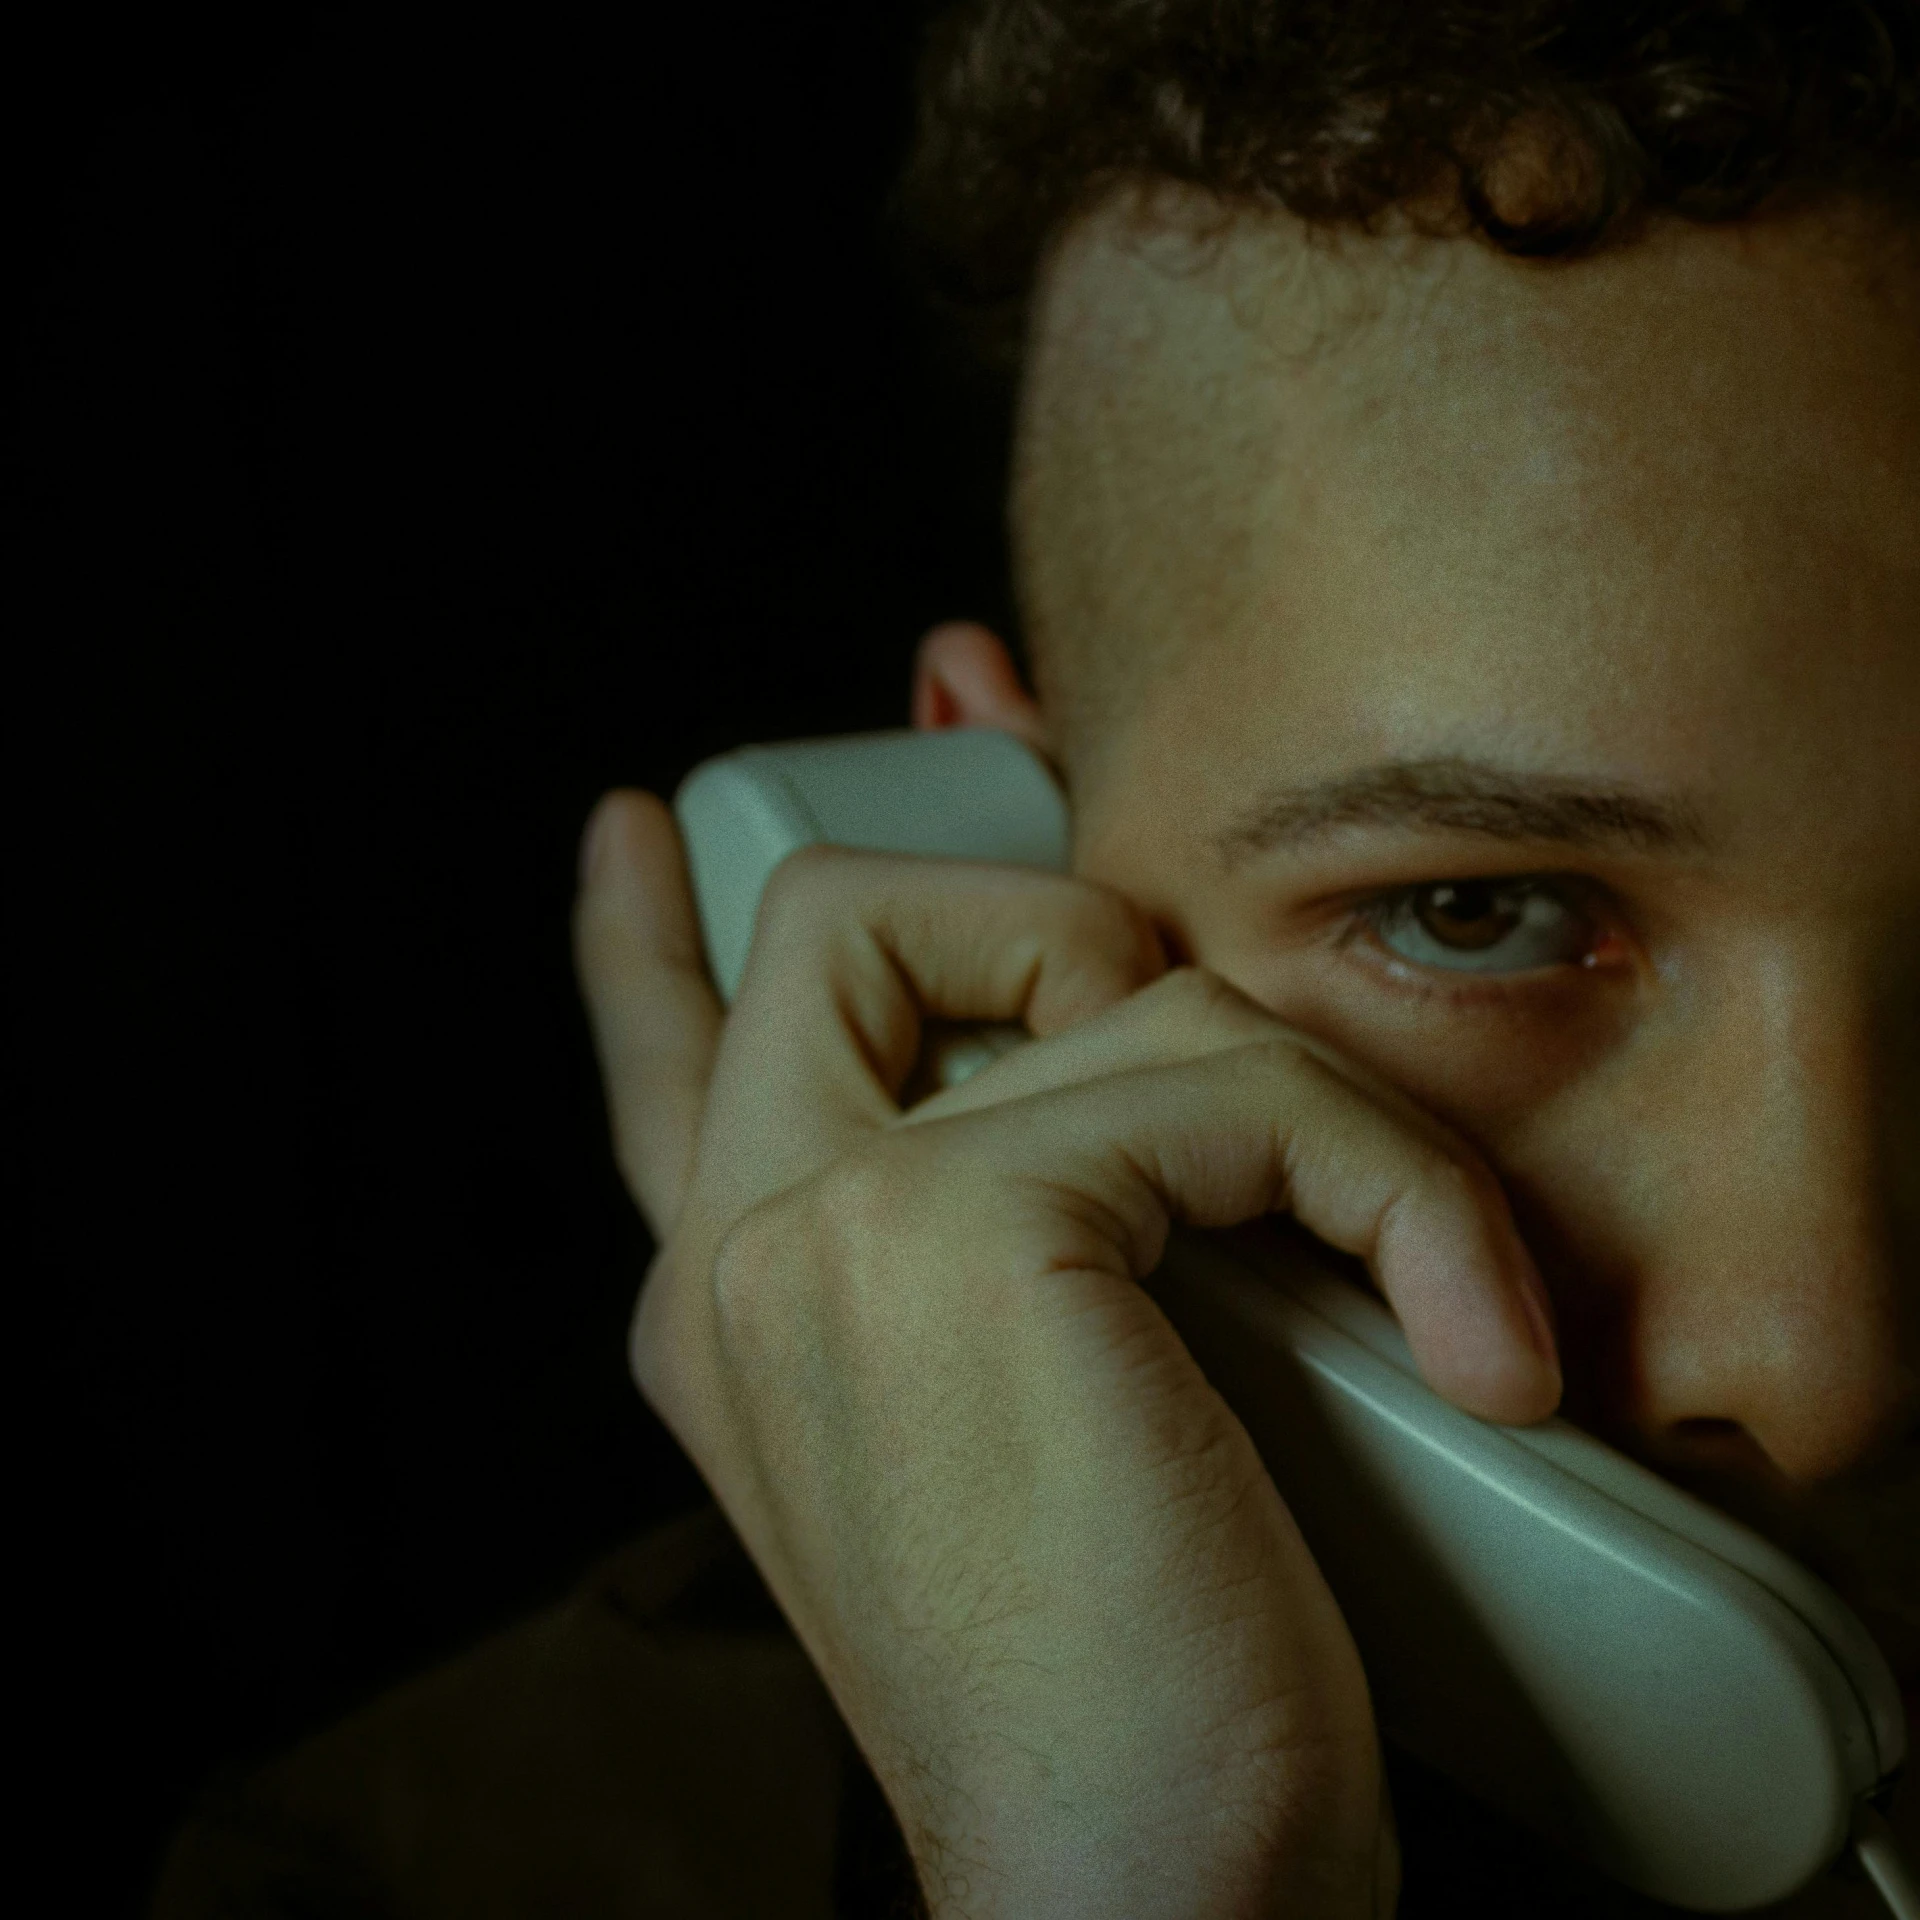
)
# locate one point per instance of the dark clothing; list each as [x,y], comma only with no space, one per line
[659,1747]
[658,1744]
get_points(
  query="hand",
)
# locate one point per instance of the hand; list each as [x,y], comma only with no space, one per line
[1032,1553]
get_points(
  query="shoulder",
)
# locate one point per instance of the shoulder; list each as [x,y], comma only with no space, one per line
[656,1743]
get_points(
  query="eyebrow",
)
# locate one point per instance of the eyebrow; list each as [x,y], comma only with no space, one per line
[1463,796]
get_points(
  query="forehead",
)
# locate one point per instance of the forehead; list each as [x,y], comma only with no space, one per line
[1791,337]
[1417,479]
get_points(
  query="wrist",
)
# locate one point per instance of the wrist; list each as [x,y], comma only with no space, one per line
[1065,1868]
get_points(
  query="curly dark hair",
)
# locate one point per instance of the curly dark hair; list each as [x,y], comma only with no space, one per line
[1341,110]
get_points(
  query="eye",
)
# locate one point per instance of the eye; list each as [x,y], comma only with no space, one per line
[1484,926]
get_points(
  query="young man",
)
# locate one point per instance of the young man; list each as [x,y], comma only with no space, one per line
[1489,695]
[1488,690]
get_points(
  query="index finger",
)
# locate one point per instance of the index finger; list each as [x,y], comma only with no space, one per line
[852,952]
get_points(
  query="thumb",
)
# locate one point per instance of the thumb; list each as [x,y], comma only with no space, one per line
[655,1016]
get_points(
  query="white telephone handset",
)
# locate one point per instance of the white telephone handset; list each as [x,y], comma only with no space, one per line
[1601,1657]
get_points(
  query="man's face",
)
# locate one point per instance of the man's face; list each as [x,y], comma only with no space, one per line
[1529,704]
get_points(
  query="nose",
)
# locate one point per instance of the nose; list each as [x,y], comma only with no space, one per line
[1766,1322]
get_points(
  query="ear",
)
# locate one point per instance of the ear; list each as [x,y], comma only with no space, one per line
[963,676]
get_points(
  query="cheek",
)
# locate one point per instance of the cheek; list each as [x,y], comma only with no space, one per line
[1499,1069]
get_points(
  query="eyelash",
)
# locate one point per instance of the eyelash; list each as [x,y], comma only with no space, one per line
[1369,918]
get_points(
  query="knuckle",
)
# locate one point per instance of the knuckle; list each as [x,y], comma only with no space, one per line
[672,1360]
[649,1359]
[745,1272]
[1427,1159]
[796,1265]
[668,1358]
[867,1198]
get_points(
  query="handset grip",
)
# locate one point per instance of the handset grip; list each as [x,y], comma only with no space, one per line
[966,793]
[1570,1638]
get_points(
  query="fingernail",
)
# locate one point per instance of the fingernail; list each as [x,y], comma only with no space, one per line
[593,841]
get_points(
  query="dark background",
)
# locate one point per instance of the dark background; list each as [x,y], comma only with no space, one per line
[429,422]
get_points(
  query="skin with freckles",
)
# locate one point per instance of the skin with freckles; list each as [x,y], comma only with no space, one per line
[1509,674]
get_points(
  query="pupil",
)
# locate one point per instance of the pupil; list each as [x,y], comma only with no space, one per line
[1467,913]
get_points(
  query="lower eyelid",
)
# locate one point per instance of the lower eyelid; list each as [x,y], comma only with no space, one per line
[1408,979]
